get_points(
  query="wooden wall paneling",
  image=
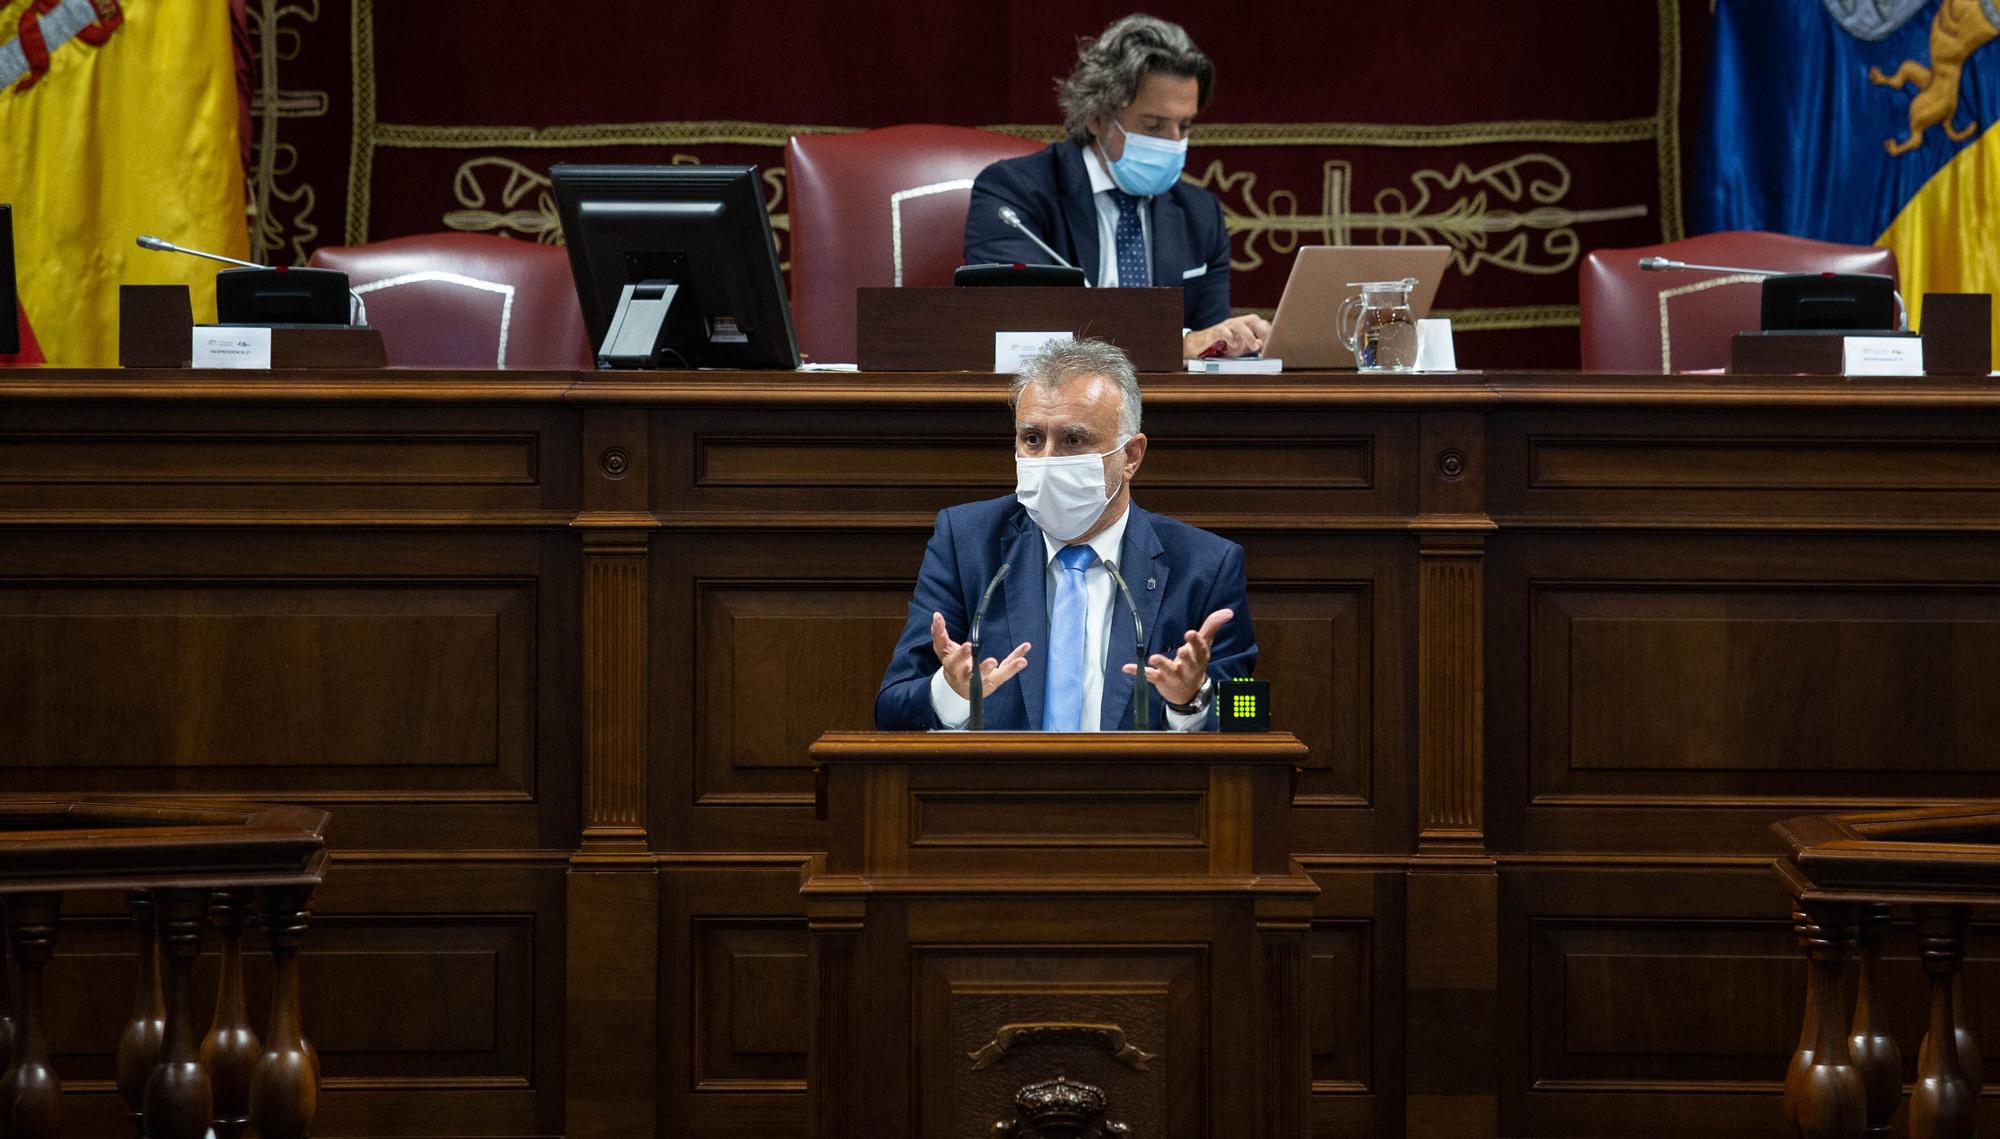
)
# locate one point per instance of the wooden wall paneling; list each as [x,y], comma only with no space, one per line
[735,1017]
[1683,691]
[419,683]
[1646,997]
[1354,964]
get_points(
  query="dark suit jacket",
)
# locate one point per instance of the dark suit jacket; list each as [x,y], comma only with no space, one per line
[1050,189]
[1178,576]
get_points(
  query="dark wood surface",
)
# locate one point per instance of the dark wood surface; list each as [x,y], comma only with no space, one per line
[942,329]
[1561,648]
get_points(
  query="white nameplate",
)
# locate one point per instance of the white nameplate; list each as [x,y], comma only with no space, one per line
[1882,356]
[1010,348]
[232,348]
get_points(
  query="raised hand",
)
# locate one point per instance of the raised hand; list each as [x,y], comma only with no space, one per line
[1179,677]
[955,657]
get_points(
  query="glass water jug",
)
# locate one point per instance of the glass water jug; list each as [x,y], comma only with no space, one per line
[1378,326]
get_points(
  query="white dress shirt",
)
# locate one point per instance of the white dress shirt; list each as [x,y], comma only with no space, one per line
[1099,598]
[1101,185]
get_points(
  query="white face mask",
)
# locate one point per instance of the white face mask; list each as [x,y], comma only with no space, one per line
[1064,494]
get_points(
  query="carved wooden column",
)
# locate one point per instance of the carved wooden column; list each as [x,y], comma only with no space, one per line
[837,1102]
[139,1046]
[1869,1044]
[30,1093]
[284,1087]
[1824,1096]
[1287,1060]
[1945,1103]
[230,1050]
[611,1031]
[179,1100]
[1453,979]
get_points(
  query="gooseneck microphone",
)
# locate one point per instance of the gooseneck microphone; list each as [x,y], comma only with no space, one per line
[1008,215]
[975,691]
[1142,690]
[1661,264]
[357,312]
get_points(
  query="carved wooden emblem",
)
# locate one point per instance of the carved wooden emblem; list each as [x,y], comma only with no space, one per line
[1059,1109]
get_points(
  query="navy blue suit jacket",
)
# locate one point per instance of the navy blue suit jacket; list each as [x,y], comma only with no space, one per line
[1178,576]
[1050,189]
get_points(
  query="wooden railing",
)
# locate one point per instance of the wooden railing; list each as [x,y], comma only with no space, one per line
[1851,874]
[183,868]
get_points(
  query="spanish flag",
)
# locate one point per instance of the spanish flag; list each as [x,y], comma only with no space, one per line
[117,118]
[1860,121]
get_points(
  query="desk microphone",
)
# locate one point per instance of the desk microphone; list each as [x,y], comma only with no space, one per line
[1661,264]
[1008,215]
[1142,689]
[358,315]
[975,692]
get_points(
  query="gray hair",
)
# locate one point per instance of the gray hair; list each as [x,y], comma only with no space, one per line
[1060,362]
[1108,70]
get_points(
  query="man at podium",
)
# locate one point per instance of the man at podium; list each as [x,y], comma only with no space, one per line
[1066,537]
[1110,198]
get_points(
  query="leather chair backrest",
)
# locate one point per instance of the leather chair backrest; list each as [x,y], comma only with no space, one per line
[879,207]
[1681,320]
[467,300]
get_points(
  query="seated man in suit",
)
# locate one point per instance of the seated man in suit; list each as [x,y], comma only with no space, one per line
[1077,448]
[1110,199]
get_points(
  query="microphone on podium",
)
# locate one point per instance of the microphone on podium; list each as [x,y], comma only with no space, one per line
[975,691]
[1790,303]
[1662,264]
[1008,215]
[1142,692]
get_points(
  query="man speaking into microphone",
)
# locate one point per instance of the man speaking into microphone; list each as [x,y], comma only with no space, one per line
[1067,537]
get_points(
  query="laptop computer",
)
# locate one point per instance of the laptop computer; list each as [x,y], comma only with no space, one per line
[1303,332]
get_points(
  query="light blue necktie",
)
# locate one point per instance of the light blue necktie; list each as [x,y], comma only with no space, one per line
[1131,242]
[1062,700]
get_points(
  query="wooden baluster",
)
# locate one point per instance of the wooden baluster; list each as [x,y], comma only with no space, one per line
[30,1093]
[6,997]
[139,1045]
[1944,1105]
[1872,1049]
[230,1050]
[1828,1099]
[1970,1061]
[1795,1074]
[284,1089]
[178,1095]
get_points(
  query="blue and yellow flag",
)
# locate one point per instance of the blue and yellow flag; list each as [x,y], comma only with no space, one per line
[1860,121]
[117,118]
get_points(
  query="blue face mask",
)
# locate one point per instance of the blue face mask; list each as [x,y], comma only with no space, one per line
[1149,165]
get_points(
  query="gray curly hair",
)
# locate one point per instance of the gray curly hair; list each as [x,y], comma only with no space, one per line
[1060,361]
[1108,69]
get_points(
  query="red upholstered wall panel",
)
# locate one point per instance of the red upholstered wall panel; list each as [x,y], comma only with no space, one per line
[1519,134]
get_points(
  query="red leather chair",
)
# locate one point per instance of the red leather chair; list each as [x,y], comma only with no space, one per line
[467,300]
[880,207]
[1679,320]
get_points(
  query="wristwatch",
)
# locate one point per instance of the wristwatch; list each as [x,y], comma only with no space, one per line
[1202,697]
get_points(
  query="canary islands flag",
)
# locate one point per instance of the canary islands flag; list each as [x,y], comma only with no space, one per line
[117,118]
[1860,121]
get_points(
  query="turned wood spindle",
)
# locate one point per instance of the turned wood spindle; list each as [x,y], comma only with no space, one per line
[1827,1100]
[139,1044]
[30,1093]
[284,1088]
[1944,1104]
[1869,1044]
[231,1049]
[178,1096]
[1808,1025]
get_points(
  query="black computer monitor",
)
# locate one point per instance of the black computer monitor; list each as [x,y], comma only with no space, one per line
[10,316]
[675,266]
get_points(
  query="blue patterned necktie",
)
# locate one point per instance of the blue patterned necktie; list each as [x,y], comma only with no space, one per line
[1062,699]
[1131,240]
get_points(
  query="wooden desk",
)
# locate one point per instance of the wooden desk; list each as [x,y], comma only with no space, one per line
[1560,647]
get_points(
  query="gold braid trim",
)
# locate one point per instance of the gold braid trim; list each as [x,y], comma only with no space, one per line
[1485,319]
[728,132]
[361,162]
[1666,130]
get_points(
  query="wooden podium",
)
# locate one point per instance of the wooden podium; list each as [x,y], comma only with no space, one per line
[1019,931]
